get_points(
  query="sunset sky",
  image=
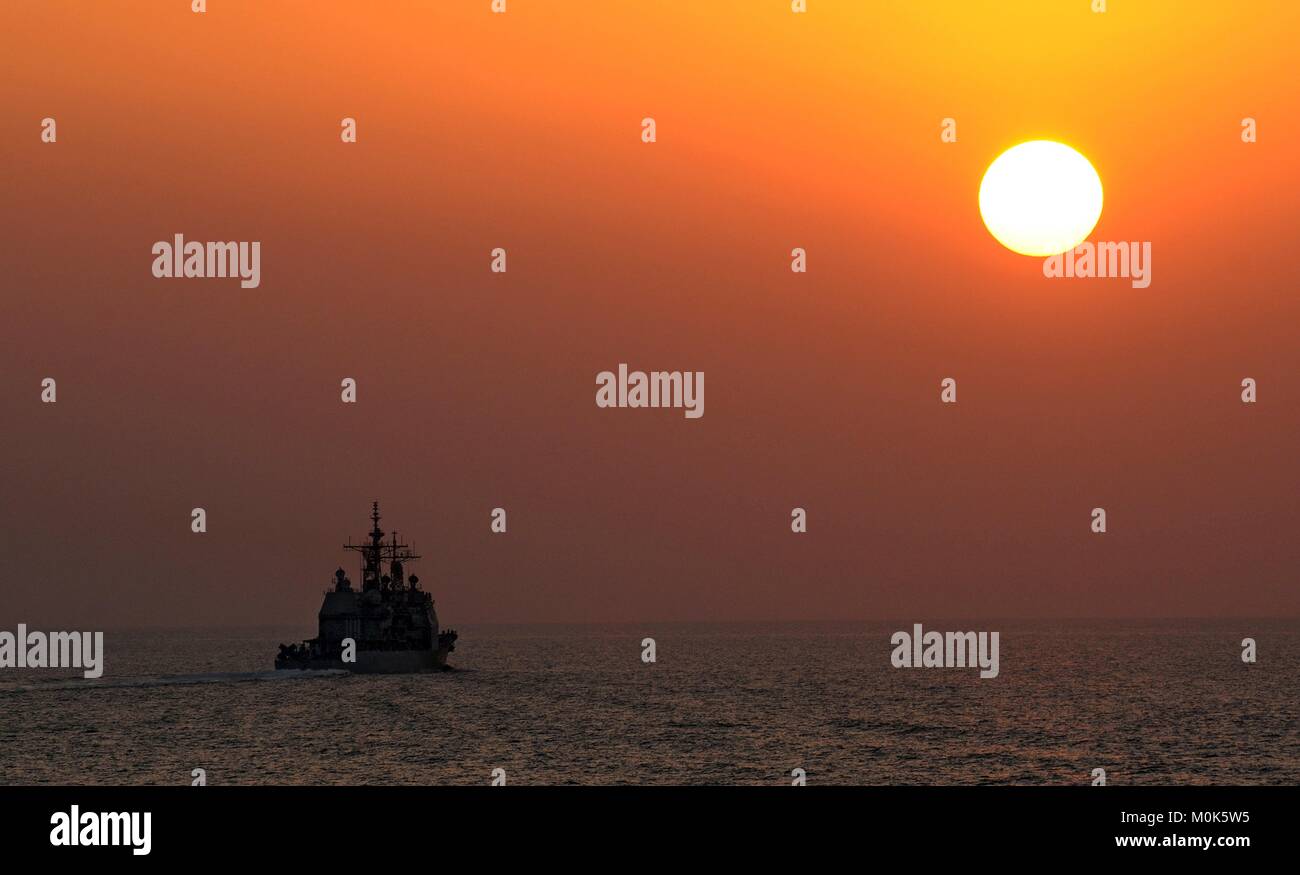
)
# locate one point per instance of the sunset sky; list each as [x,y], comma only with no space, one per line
[523,130]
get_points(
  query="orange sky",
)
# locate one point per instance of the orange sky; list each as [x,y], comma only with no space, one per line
[476,390]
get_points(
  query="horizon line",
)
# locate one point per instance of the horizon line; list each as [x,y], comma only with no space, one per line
[724,622]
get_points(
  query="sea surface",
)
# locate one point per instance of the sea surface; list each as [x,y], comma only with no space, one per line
[1151,702]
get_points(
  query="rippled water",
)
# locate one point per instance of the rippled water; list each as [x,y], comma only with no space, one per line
[1151,702]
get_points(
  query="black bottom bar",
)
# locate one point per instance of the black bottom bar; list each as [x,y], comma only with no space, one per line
[335,825]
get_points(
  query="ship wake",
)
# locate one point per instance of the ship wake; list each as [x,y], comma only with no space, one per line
[225,677]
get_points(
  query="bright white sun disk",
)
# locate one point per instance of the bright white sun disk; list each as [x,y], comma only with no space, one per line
[1040,198]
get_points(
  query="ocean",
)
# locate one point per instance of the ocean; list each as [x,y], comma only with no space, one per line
[1150,702]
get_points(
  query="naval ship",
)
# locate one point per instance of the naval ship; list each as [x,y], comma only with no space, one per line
[391,622]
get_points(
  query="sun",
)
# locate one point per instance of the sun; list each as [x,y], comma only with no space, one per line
[1040,198]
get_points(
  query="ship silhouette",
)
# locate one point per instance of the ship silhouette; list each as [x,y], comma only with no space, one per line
[388,627]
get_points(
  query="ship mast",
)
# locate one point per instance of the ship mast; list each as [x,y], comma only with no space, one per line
[374,554]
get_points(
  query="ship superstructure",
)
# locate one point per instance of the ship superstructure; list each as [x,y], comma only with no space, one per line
[387,626]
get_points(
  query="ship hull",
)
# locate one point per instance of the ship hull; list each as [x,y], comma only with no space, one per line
[374,662]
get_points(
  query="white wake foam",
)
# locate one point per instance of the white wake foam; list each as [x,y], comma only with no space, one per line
[237,677]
